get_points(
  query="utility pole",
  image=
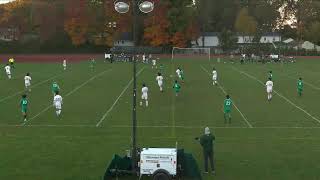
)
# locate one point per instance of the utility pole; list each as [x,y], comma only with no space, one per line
[134,108]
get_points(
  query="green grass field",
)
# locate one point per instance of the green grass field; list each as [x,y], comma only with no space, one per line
[266,140]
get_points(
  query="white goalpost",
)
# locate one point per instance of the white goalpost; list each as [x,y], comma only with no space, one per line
[192,52]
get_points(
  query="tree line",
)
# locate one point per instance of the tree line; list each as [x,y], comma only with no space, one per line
[172,23]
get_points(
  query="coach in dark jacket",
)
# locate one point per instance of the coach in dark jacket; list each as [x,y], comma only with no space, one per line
[206,142]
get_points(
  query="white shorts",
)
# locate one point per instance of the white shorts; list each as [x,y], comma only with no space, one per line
[8,73]
[144,97]
[27,84]
[58,106]
[269,90]
[214,78]
[160,84]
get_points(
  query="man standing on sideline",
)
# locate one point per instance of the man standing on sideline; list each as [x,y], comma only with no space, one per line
[206,142]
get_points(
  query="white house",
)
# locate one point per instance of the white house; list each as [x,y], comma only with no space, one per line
[9,34]
[308,46]
[265,38]
[271,37]
[211,39]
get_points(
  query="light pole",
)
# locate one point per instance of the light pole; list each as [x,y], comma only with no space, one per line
[145,7]
[111,24]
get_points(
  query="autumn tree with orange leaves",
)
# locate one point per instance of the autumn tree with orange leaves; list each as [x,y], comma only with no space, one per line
[76,22]
[156,32]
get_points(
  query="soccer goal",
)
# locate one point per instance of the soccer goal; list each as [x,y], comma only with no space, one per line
[188,53]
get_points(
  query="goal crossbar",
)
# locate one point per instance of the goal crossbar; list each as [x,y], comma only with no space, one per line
[194,49]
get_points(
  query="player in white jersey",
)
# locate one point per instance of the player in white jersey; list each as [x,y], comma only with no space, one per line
[144,58]
[64,64]
[27,82]
[154,64]
[269,86]
[8,70]
[57,103]
[144,96]
[178,71]
[214,76]
[160,81]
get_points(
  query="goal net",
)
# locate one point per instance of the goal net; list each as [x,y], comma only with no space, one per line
[191,53]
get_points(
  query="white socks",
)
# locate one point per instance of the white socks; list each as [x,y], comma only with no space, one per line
[147,103]
[58,112]
[9,76]
[269,96]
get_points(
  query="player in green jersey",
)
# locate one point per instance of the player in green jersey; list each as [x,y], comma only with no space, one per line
[227,109]
[270,75]
[55,88]
[92,63]
[176,87]
[24,107]
[300,86]
[181,75]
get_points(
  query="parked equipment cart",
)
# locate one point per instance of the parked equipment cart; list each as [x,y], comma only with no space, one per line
[161,163]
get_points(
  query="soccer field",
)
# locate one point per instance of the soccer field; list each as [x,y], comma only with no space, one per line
[266,140]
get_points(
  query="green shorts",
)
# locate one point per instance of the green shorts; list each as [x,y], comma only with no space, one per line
[24,110]
[300,90]
[226,111]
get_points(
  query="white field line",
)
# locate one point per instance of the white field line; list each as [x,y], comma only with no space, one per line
[32,86]
[116,101]
[222,89]
[68,94]
[305,82]
[125,126]
[15,77]
[49,125]
[117,137]
[164,138]
[280,95]
[216,127]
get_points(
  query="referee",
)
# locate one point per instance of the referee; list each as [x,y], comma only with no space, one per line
[206,142]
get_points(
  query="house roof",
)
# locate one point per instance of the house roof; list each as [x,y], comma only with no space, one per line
[240,34]
[290,40]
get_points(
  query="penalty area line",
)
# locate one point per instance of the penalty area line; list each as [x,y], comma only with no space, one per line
[68,94]
[32,86]
[126,126]
[280,95]
[116,101]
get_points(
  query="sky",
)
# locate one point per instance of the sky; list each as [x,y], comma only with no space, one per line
[5,1]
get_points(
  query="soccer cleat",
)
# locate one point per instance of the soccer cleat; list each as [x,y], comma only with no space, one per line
[214,172]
